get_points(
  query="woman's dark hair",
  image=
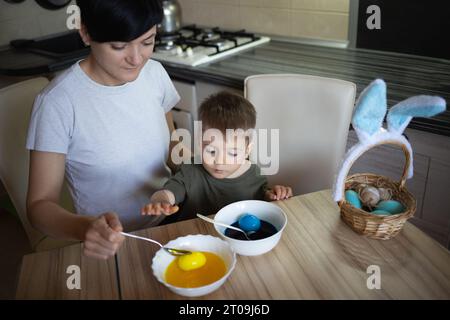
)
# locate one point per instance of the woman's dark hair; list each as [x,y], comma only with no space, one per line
[119,20]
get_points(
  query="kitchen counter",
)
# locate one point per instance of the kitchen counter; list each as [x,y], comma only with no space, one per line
[405,75]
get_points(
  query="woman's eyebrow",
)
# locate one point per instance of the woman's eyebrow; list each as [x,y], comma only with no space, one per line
[149,37]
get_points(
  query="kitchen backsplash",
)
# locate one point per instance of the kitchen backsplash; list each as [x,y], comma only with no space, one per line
[316,19]
[29,20]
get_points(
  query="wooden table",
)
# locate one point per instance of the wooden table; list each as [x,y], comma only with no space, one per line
[318,257]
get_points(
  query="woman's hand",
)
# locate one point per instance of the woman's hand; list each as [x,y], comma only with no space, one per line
[278,193]
[159,208]
[102,237]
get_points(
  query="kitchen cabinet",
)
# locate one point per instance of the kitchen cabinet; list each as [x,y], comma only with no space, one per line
[205,89]
[436,205]
[182,112]
[2,190]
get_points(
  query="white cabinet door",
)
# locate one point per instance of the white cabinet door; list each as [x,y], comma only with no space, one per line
[187,92]
[182,119]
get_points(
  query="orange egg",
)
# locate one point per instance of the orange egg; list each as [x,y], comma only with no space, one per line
[213,269]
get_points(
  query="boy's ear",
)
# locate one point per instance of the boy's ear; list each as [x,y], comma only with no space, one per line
[248,150]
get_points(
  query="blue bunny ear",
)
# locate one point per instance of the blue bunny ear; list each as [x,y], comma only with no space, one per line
[401,114]
[370,109]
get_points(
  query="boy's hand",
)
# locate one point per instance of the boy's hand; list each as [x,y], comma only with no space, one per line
[159,208]
[278,193]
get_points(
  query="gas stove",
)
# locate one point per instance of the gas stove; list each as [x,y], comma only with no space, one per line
[194,46]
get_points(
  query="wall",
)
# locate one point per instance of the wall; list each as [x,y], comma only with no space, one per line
[317,19]
[407,26]
[29,20]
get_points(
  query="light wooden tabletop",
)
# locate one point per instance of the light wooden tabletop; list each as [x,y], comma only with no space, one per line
[44,275]
[318,257]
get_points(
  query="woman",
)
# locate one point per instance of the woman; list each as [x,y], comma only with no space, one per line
[104,125]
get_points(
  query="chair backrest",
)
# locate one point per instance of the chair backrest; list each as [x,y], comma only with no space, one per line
[313,116]
[16,102]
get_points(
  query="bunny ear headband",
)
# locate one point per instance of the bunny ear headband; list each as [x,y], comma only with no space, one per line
[367,121]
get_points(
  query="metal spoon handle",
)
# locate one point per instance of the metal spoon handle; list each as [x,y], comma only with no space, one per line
[172,251]
[142,238]
[221,224]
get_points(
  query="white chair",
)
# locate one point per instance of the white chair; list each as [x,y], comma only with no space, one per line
[16,102]
[313,116]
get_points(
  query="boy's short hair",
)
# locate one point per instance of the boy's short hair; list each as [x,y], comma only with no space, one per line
[226,110]
[119,20]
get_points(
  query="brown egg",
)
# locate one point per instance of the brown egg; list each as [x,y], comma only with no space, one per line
[385,193]
[369,196]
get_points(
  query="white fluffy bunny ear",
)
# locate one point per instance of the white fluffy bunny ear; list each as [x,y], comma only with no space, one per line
[401,114]
[370,110]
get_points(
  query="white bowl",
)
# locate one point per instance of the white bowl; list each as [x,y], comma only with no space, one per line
[264,211]
[198,242]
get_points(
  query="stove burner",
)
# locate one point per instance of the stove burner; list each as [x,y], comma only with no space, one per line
[194,43]
[167,41]
[165,46]
[168,38]
[207,33]
[218,42]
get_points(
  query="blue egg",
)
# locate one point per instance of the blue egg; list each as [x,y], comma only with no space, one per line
[391,206]
[353,198]
[249,222]
[381,213]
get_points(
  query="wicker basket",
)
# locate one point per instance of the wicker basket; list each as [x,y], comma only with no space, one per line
[374,226]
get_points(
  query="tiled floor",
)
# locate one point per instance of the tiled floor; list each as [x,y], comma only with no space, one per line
[13,245]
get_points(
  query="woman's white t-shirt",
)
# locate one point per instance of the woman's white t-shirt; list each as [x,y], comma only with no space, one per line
[115,138]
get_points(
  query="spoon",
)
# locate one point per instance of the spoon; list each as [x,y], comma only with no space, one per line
[222,224]
[172,251]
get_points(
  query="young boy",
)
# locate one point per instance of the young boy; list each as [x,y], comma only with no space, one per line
[225,174]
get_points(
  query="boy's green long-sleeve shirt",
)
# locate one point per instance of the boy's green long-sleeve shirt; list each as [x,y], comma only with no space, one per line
[196,191]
